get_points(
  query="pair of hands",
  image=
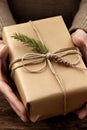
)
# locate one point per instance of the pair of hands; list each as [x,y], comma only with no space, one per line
[79,38]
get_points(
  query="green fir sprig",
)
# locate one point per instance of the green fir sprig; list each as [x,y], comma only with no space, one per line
[37,45]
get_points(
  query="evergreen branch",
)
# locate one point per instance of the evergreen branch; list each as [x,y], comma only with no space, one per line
[31,42]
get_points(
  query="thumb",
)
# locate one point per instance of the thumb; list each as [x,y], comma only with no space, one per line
[3,51]
[79,38]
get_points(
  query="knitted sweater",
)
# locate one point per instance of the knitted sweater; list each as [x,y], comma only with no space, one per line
[73,11]
[5,15]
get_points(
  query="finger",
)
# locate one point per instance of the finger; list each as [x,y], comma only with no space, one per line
[21,114]
[82,113]
[15,103]
[3,51]
[79,38]
[3,60]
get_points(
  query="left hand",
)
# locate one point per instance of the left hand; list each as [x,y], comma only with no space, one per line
[5,87]
[79,38]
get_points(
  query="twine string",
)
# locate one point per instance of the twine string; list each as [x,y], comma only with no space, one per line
[48,59]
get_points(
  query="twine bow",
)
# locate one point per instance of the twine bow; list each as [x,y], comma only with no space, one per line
[48,59]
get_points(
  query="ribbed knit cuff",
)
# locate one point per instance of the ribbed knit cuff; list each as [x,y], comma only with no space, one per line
[80,20]
[6,17]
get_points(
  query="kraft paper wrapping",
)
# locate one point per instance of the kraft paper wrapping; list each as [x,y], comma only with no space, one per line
[41,93]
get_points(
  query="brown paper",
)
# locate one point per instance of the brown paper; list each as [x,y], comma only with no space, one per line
[41,93]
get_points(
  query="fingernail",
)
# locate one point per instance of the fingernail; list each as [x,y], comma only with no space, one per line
[24,119]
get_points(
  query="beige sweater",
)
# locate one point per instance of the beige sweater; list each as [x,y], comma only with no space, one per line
[5,15]
[73,11]
[80,19]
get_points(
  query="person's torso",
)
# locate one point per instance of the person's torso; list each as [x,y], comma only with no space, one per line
[25,10]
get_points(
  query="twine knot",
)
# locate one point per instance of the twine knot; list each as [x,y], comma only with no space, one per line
[48,56]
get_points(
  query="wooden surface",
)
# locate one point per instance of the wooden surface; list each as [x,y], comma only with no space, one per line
[10,121]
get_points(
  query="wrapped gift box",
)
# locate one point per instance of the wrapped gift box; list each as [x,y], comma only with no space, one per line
[41,92]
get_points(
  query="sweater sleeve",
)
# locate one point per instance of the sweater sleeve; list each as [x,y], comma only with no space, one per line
[80,19]
[5,15]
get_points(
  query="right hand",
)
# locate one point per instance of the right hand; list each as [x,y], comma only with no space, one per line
[79,38]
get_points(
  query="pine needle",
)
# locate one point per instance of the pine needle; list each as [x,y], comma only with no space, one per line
[31,42]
